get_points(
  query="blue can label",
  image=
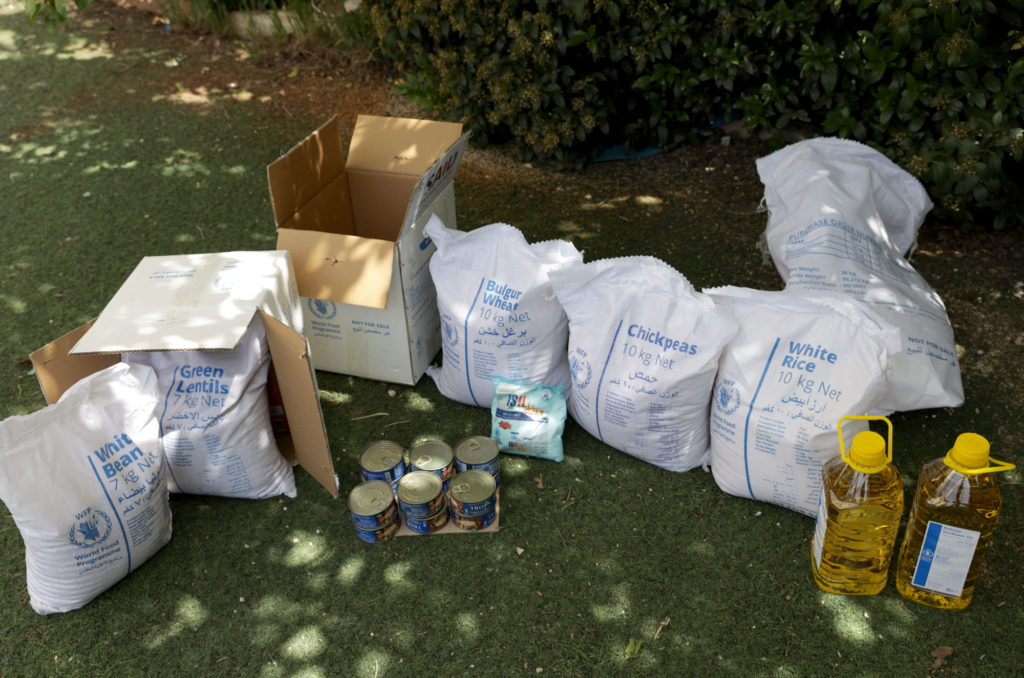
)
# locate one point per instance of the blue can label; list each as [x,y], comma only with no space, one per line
[472,509]
[421,510]
[491,467]
[376,520]
[428,525]
[383,534]
[473,522]
[389,476]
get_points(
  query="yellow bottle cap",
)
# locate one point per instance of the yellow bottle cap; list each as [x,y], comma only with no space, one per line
[970,455]
[970,450]
[867,452]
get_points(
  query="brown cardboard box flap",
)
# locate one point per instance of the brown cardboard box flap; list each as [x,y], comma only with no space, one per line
[399,145]
[342,268]
[308,188]
[297,382]
[57,370]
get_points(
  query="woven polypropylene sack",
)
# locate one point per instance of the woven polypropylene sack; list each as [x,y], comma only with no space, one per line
[215,422]
[841,218]
[643,351]
[499,317]
[85,482]
[800,362]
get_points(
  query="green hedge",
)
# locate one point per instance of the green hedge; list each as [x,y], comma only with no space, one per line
[935,84]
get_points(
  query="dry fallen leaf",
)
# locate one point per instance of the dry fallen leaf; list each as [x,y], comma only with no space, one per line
[540,481]
[940,653]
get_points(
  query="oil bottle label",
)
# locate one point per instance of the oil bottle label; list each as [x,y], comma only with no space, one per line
[820,525]
[945,558]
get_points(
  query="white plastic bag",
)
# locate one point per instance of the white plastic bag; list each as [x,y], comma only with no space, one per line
[499,316]
[85,481]
[800,362]
[215,422]
[842,216]
[643,351]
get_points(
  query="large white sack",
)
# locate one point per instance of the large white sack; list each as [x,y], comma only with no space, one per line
[800,362]
[643,352]
[841,217]
[499,317]
[85,482]
[215,423]
[899,199]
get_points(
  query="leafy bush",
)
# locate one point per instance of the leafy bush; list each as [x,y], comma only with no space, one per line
[935,84]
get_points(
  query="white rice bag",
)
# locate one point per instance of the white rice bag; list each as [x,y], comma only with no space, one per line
[643,352]
[841,217]
[85,481]
[215,422]
[498,314]
[800,362]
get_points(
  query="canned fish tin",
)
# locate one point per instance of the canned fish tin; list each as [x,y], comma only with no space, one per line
[472,493]
[435,456]
[420,494]
[478,452]
[472,523]
[383,460]
[372,504]
[431,524]
[383,534]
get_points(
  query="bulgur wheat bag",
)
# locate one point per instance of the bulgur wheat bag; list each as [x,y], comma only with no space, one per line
[499,317]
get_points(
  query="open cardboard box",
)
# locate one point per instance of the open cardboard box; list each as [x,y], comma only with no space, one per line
[355,228]
[205,302]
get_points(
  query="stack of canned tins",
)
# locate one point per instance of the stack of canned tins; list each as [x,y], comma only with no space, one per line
[440,485]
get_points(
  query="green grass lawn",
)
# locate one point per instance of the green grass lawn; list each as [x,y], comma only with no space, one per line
[604,565]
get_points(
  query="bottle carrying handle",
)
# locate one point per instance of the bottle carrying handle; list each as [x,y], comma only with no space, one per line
[994,466]
[842,448]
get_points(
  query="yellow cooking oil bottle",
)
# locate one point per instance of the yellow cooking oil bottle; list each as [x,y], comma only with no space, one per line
[955,509]
[858,515]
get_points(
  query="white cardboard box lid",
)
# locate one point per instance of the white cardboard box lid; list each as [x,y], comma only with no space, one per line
[195,302]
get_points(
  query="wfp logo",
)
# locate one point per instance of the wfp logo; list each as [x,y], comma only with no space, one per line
[425,243]
[727,400]
[580,370]
[89,528]
[323,308]
[450,331]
